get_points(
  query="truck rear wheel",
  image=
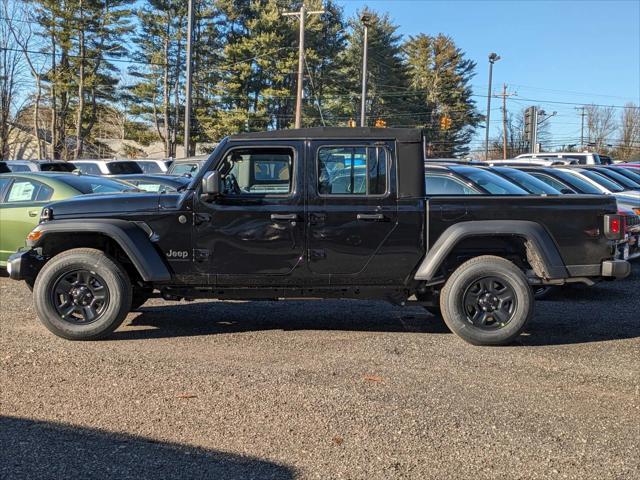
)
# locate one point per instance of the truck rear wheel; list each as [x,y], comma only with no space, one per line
[487,301]
[82,294]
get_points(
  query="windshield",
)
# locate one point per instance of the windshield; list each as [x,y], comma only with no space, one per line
[491,182]
[582,186]
[86,185]
[123,167]
[528,182]
[602,180]
[183,168]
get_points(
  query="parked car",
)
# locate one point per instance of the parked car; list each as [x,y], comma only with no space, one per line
[187,166]
[155,183]
[526,181]
[582,158]
[108,167]
[22,196]
[154,166]
[616,176]
[466,180]
[39,166]
[222,239]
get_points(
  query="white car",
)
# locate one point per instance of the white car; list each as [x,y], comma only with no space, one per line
[108,167]
[582,158]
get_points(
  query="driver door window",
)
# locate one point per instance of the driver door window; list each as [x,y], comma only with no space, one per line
[257,171]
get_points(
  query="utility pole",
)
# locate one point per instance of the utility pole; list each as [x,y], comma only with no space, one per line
[504,96]
[301,14]
[582,115]
[365,47]
[493,58]
[188,87]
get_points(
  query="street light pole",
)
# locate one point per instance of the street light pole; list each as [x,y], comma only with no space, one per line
[493,58]
[365,46]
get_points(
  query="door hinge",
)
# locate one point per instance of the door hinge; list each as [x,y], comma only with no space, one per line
[200,218]
[200,254]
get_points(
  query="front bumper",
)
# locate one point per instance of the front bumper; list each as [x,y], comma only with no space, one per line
[616,269]
[24,265]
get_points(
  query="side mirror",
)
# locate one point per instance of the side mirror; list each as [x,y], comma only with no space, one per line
[211,184]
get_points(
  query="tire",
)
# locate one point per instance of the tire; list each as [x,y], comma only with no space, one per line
[82,294]
[487,301]
[139,297]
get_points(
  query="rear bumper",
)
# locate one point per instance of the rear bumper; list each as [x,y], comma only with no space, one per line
[24,265]
[616,269]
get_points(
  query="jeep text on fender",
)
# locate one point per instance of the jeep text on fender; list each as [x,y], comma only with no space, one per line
[317,213]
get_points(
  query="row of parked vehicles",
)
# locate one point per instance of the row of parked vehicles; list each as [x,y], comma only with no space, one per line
[319,213]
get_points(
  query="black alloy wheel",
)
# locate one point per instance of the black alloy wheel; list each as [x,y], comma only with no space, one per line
[490,303]
[80,296]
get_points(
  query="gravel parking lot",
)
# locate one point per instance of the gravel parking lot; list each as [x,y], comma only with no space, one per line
[327,390]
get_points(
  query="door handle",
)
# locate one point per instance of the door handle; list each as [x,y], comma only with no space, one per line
[370,217]
[33,213]
[289,217]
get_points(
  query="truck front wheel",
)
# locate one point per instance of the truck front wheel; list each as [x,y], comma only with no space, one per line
[82,294]
[487,301]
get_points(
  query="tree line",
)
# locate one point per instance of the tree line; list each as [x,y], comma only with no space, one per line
[77,71]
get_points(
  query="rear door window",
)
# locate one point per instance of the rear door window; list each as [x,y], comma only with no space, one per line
[353,170]
[18,167]
[23,190]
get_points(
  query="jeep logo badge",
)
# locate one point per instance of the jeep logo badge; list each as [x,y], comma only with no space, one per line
[181,254]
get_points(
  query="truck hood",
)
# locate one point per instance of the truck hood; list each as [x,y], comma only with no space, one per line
[115,204]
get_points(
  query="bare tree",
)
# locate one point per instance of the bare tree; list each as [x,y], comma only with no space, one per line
[601,124]
[11,68]
[629,144]
[22,34]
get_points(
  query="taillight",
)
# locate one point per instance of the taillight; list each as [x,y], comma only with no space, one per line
[614,227]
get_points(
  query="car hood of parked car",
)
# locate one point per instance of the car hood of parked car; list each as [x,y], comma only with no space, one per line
[116,204]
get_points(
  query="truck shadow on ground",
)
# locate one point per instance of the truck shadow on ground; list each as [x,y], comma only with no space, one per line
[558,322]
[211,318]
[38,449]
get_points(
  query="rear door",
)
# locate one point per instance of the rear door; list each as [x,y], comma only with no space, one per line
[351,206]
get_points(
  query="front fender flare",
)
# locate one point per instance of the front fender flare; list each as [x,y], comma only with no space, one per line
[130,237]
[534,234]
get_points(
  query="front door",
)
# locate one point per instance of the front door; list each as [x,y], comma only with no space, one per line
[253,234]
[352,208]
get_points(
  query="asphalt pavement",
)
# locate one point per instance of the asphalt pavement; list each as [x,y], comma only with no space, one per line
[323,390]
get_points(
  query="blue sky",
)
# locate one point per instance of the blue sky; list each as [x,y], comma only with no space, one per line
[566,51]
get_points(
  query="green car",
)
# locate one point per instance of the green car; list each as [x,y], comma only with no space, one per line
[22,196]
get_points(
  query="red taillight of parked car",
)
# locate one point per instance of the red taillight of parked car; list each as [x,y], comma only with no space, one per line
[614,227]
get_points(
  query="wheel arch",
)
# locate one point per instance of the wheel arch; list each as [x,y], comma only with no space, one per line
[540,249]
[127,238]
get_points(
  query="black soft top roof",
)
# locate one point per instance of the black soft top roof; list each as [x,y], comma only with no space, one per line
[402,135]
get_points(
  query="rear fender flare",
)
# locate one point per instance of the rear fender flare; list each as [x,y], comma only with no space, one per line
[539,245]
[133,240]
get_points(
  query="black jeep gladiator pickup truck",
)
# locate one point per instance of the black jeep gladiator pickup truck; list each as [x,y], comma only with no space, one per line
[316,213]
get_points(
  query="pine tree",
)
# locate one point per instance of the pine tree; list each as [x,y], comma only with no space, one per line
[159,69]
[439,76]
